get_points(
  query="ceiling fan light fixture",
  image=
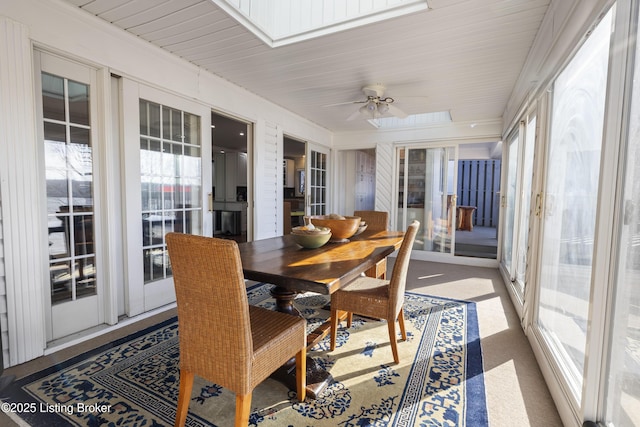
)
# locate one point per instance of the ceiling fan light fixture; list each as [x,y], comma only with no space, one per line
[383,108]
[369,109]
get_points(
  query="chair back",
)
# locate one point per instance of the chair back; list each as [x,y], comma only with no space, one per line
[399,274]
[376,220]
[213,309]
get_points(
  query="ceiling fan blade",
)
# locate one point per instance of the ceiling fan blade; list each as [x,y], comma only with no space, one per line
[354,115]
[396,112]
[344,103]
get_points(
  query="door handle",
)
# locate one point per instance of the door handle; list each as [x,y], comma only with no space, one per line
[538,212]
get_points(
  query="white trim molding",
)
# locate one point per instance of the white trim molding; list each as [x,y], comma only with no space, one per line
[19,185]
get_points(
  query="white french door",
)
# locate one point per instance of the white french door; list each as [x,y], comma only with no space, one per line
[68,133]
[427,182]
[509,193]
[621,405]
[517,202]
[317,164]
[168,147]
[568,215]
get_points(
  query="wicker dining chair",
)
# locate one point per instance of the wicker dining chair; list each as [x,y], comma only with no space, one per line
[376,221]
[378,298]
[222,338]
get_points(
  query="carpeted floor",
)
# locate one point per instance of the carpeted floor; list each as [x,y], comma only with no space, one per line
[134,380]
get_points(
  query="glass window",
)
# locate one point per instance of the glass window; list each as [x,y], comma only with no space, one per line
[510,192]
[69,188]
[525,203]
[426,192]
[318,183]
[570,202]
[171,180]
[623,392]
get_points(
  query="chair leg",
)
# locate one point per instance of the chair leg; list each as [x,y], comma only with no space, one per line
[349,319]
[301,374]
[403,331]
[334,328]
[391,323]
[243,409]
[184,396]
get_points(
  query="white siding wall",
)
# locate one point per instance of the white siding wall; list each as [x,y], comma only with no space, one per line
[268,185]
[4,336]
[23,221]
[385,172]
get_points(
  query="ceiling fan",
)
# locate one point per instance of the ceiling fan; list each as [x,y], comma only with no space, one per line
[375,105]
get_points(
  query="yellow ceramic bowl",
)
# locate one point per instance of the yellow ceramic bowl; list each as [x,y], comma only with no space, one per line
[341,229]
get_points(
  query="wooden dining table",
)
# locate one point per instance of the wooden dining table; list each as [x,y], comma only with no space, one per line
[294,269]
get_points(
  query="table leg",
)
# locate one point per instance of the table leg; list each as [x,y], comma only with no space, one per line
[317,377]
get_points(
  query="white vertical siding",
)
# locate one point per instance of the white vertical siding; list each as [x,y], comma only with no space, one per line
[4,336]
[384,179]
[24,272]
[268,186]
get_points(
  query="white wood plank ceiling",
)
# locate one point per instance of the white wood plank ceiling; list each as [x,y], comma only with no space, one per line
[461,56]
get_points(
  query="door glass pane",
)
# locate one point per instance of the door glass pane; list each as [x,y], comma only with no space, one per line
[78,103]
[171,181]
[69,188]
[525,203]
[571,189]
[426,193]
[53,97]
[510,192]
[317,183]
[622,401]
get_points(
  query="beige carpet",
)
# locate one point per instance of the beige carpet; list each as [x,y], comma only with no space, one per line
[515,391]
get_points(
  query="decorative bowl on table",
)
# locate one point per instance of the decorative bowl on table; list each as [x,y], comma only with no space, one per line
[342,227]
[361,228]
[311,238]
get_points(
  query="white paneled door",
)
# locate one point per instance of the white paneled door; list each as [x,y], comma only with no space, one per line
[68,117]
[427,182]
[317,171]
[622,391]
[165,157]
[566,253]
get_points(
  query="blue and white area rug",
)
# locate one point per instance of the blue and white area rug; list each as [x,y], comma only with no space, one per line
[134,381]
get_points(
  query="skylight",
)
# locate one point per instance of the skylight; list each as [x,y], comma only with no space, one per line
[282,22]
[414,120]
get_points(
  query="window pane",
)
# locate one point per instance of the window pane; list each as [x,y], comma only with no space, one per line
[570,204]
[69,184]
[78,103]
[191,129]
[623,393]
[510,199]
[171,180]
[53,97]
[525,203]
